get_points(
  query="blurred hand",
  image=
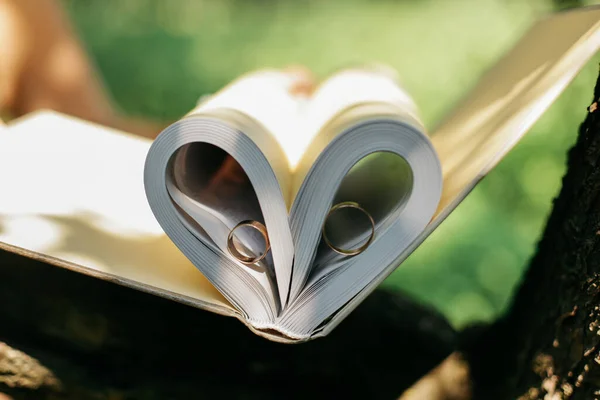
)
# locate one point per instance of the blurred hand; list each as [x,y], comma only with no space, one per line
[44,66]
[305,80]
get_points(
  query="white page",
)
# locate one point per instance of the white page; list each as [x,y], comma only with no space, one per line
[243,120]
[73,195]
[360,112]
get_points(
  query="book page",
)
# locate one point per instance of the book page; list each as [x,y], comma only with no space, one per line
[332,109]
[211,187]
[236,169]
[361,114]
[510,97]
[73,196]
[267,97]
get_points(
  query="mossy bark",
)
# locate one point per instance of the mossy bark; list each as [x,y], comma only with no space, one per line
[549,342]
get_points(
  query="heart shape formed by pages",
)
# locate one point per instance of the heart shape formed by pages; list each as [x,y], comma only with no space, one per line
[258,152]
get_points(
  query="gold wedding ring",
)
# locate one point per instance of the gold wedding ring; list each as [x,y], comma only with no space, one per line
[358,250]
[244,259]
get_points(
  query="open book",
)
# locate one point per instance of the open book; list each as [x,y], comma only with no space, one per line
[257,152]
[282,210]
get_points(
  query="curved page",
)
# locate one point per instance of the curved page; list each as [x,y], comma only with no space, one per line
[370,129]
[368,114]
[221,165]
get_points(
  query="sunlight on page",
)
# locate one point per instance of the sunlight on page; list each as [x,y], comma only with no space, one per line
[510,98]
[20,228]
[78,196]
[268,97]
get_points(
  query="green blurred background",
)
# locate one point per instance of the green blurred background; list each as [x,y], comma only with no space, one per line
[159,56]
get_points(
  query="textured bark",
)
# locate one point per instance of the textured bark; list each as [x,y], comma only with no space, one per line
[549,342]
[95,340]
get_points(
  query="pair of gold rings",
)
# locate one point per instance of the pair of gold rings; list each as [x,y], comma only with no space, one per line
[244,259]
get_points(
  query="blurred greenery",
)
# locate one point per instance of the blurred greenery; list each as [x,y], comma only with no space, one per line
[159,56]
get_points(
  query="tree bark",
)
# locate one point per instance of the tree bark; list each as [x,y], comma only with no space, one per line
[548,345]
[92,339]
